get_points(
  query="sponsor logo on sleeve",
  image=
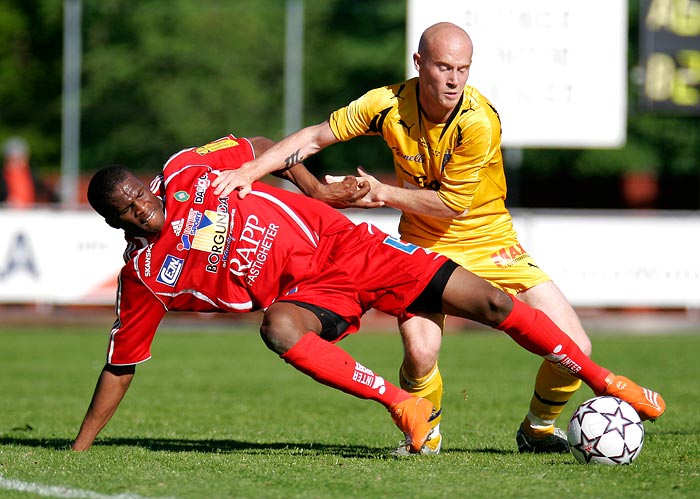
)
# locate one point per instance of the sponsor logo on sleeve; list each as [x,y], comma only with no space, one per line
[170,270]
[217,145]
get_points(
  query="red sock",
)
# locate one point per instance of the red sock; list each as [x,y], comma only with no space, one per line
[333,366]
[533,330]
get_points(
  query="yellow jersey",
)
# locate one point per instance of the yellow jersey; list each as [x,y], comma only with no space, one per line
[461,160]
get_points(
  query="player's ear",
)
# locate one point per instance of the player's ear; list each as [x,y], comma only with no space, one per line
[416,61]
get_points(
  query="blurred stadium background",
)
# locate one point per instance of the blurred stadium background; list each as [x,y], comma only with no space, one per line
[600,102]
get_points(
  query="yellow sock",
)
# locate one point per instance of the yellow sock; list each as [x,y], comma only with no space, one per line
[429,387]
[553,389]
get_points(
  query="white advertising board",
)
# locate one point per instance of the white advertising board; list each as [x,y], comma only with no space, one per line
[556,70]
[620,260]
[58,257]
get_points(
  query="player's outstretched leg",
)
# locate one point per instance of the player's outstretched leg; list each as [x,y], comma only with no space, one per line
[533,330]
[331,365]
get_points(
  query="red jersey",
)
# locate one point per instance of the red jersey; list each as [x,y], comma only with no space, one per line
[218,254]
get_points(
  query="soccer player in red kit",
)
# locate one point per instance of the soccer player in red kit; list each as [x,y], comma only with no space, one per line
[310,269]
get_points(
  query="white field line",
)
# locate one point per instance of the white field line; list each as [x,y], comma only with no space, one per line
[61,492]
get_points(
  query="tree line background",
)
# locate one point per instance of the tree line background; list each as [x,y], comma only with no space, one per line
[160,76]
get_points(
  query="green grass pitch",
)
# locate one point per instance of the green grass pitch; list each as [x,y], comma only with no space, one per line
[217,415]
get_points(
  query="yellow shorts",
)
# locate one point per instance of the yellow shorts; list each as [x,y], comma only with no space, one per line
[503,262]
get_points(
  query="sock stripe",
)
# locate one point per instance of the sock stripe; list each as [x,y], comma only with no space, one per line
[413,382]
[548,402]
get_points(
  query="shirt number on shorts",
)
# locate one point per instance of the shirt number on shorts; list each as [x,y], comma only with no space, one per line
[401,245]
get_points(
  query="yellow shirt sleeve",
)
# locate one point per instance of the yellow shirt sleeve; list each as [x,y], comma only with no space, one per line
[363,116]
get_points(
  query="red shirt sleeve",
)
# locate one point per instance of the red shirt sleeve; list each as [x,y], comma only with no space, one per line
[138,314]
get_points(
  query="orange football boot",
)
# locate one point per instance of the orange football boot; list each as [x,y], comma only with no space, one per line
[412,417]
[648,404]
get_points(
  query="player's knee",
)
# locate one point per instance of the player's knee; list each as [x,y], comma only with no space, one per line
[271,340]
[497,308]
[277,333]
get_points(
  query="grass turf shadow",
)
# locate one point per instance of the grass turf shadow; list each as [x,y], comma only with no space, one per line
[215,446]
[224,446]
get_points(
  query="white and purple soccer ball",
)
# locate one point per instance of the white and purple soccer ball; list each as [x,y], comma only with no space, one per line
[605,430]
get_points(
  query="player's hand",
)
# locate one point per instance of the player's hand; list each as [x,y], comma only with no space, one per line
[349,192]
[374,184]
[373,198]
[231,180]
[344,192]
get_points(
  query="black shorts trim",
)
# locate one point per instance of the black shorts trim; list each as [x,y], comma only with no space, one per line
[430,299]
[332,325]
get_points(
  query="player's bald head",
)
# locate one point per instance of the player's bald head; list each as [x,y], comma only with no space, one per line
[444,34]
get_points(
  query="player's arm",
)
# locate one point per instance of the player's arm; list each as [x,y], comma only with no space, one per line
[346,192]
[342,193]
[112,385]
[421,201]
[139,314]
[290,151]
[457,186]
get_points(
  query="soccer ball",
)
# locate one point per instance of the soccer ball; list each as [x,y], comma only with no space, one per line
[605,430]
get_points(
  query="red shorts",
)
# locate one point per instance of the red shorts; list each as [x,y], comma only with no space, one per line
[363,268]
